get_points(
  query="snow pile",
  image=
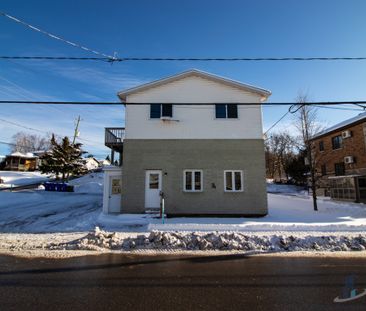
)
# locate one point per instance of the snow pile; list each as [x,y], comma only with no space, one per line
[90,183]
[21,178]
[224,241]
[92,241]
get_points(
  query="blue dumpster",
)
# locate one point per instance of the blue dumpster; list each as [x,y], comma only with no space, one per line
[58,186]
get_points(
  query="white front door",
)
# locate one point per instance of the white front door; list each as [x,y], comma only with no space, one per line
[115,187]
[152,189]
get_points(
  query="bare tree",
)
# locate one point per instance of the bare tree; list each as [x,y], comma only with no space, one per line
[25,142]
[279,148]
[270,151]
[306,121]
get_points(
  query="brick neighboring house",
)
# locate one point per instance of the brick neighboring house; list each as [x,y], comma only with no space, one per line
[340,152]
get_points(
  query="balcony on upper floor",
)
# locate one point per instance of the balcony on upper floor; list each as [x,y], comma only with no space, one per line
[114,137]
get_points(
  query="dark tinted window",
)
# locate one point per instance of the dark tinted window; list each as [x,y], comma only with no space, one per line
[232,111]
[167,110]
[237,181]
[197,180]
[339,169]
[324,169]
[155,111]
[337,142]
[188,180]
[193,180]
[229,181]
[220,111]
[321,146]
[362,182]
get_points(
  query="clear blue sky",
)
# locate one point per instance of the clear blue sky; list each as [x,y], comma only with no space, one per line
[187,28]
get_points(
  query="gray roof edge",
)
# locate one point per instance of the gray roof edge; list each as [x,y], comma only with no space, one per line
[122,94]
[340,125]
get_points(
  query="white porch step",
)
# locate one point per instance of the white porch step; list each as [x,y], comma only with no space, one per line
[152,211]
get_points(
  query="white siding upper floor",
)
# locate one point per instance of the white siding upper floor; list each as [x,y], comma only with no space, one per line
[194,121]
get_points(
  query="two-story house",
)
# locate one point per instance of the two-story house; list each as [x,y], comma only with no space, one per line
[340,153]
[191,137]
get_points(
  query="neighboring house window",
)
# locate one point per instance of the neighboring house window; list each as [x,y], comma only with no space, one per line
[233,181]
[324,170]
[337,142]
[226,111]
[339,169]
[161,110]
[321,146]
[192,180]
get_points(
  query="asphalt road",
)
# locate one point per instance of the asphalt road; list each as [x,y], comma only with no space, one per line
[225,282]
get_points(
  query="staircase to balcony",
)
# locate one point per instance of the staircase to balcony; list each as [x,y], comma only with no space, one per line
[114,137]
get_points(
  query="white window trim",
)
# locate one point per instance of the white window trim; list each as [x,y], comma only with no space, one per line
[233,180]
[193,185]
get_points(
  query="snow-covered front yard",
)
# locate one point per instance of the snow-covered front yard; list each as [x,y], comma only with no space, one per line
[21,178]
[43,211]
[286,213]
[40,211]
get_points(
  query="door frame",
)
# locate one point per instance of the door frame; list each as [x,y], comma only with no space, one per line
[147,180]
[110,194]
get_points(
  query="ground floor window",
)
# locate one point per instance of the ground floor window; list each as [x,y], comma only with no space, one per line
[233,181]
[192,180]
[339,169]
[324,169]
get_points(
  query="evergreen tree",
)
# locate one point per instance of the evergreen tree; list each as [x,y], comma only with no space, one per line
[63,159]
[297,169]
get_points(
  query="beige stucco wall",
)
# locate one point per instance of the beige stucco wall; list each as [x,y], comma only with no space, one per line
[213,156]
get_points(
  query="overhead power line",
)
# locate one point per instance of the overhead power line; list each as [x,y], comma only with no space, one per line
[233,59]
[278,121]
[341,108]
[110,58]
[105,59]
[22,126]
[53,36]
[106,103]
[297,106]
[184,59]
[5,143]
[45,132]
[59,102]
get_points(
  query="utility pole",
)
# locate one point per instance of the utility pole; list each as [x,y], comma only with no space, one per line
[76,131]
